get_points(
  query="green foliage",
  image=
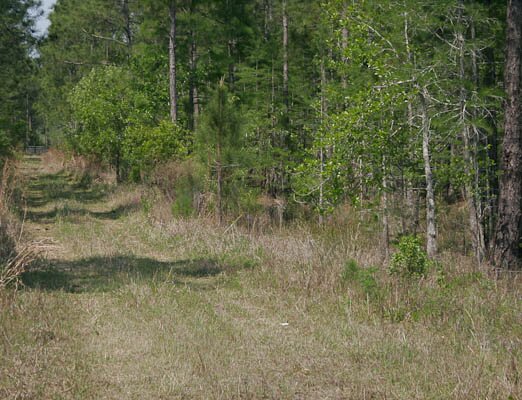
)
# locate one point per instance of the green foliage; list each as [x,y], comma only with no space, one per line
[183,206]
[115,124]
[186,190]
[146,146]
[221,127]
[17,91]
[363,277]
[221,144]
[411,259]
[346,130]
[102,107]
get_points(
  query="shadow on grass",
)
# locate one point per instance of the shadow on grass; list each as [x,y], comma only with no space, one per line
[70,212]
[101,274]
[62,186]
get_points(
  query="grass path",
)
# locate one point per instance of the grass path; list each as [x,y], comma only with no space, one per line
[105,266]
[123,308]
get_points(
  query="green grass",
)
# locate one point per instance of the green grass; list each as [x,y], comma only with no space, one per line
[137,305]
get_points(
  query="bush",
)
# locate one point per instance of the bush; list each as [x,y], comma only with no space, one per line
[145,147]
[410,259]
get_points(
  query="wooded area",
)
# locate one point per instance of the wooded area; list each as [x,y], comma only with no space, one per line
[391,106]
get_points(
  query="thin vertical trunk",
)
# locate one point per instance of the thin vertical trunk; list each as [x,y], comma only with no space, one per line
[219,165]
[272,98]
[471,189]
[491,156]
[410,214]
[324,107]
[344,47]
[128,28]
[117,167]
[431,230]
[28,120]
[268,19]
[219,173]
[508,232]
[172,64]
[193,93]
[286,100]
[385,222]
[231,45]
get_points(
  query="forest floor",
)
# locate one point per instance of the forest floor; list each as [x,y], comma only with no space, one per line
[123,305]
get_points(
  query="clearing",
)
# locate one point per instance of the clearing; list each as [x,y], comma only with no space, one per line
[126,305]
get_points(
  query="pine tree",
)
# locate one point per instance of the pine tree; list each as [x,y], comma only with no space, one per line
[220,140]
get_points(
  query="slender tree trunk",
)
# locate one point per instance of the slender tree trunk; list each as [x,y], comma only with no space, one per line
[286,100]
[128,28]
[117,167]
[471,190]
[324,108]
[231,46]
[508,232]
[491,157]
[193,94]
[172,63]
[268,19]
[219,160]
[431,229]
[219,173]
[385,221]
[28,121]
[411,212]
[475,142]
[344,47]
[272,99]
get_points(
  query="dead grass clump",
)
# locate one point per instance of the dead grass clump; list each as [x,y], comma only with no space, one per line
[15,256]
[12,269]
[53,161]
[10,184]
[85,169]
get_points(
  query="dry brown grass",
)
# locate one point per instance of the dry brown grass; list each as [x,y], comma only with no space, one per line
[54,161]
[138,305]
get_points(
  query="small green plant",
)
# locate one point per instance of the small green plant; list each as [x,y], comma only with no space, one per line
[183,205]
[364,277]
[411,259]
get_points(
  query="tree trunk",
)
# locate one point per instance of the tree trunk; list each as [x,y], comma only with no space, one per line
[491,156]
[324,109]
[344,47]
[193,94]
[508,231]
[384,205]
[268,19]
[128,28]
[231,47]
[431,229]
[411,211]
[172,64]
[472,193]
[285,65]
[219,173]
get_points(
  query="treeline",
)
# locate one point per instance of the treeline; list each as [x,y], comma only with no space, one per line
[18,86]
[376,103]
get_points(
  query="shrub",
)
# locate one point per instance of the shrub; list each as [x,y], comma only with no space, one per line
[145,147]
[410,259]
